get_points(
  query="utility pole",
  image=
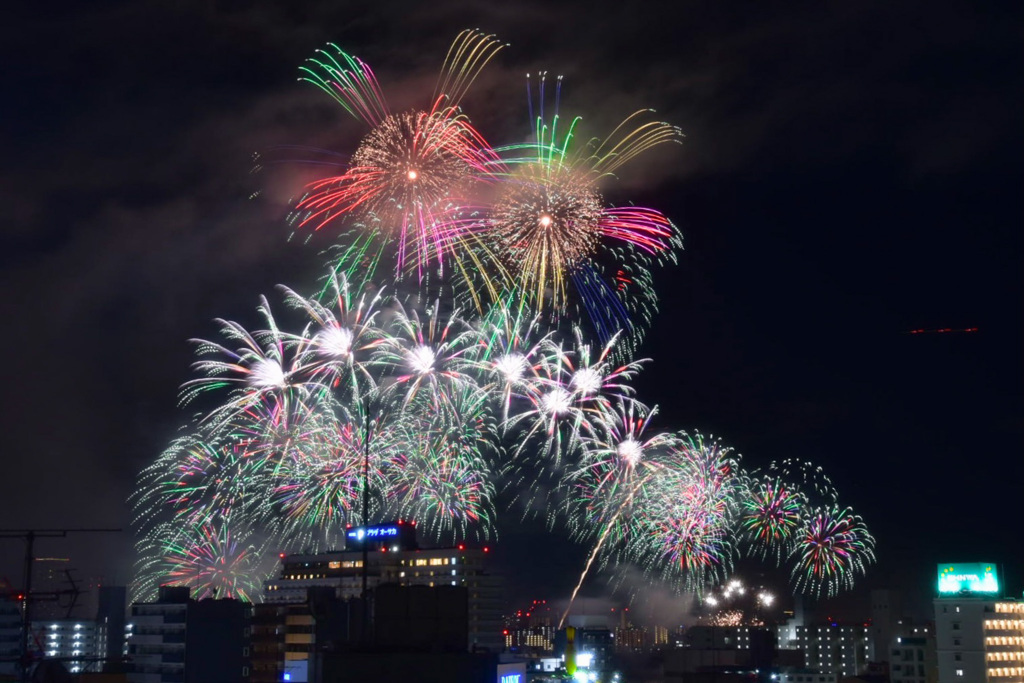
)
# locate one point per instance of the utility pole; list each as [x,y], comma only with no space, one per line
[30,536]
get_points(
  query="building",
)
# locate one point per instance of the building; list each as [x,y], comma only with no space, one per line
[978,637]
[84,645]
[394,556]
[267,642]
[10,635]
[835,648]
[79,644]
[805,676]
[531,630]
[721,650]
[180,640]
[286,637]
[886,615]
[631,638]
[111,609]
[912,659]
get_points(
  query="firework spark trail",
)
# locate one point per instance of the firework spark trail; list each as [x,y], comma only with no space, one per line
[512,351]
[348,80]
[612,480]
[469,54]
[583,576]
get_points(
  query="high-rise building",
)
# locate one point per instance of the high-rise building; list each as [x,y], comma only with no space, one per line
[394,556]
[979,638]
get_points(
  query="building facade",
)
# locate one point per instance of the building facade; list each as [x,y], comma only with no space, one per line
[393,556]
[979,640]
[978,637]
[10,636]
[912,659]
[179,640]
[80,645]
[835,648]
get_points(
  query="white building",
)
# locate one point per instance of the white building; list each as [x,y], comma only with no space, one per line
[979,638]
[156,638]
[79,644]
[831,648]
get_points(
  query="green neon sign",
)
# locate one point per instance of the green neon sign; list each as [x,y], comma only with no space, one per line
[968,577]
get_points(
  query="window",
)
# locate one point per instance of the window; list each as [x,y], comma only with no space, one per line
[958,657]
[959,672]
[956,625]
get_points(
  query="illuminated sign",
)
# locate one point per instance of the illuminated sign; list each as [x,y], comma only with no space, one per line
[969,577]
[510,672]
[359,533]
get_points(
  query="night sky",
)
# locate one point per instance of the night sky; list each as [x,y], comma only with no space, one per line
[851,172]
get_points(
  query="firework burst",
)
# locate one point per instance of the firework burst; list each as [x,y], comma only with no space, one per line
[687,531]
[550,218]
[412,171]
[771,512]
[831,549]
[400,403]
[211,559]
[441,475]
